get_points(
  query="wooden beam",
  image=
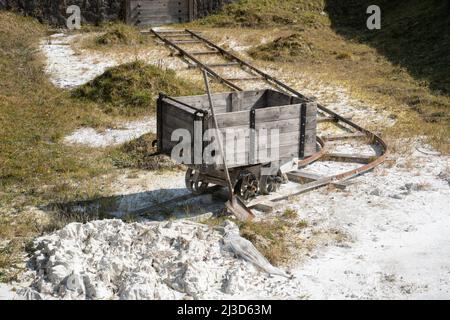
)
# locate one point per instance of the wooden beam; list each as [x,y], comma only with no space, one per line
[168,31]
[202,53]
[245,79]
[217,65]
[228,64]
[344,157]
[186,41]
[347,136]
[305,177]
[191,6]
[174,35]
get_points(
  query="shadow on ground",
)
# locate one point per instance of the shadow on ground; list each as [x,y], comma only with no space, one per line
[151,205]
[415,34]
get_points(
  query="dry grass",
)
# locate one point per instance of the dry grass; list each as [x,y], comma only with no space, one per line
[272,238]
[289,213]
[16,230]
[285,239]
[140,154]
[268,13]
[113,38]
[278,239]
[119,34]
[35,115]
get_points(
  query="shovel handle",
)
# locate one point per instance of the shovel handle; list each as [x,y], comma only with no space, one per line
[218,134]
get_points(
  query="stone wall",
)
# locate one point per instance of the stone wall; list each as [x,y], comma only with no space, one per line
[92,11]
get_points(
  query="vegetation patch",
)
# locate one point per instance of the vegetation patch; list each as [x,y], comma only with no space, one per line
[284,49]
[16,230]
[290,213]
[35,115]
[414,34]
[35,167]
[140,154]
[266,13]
[279,240]
[120,34]
[133,88]
[272,238]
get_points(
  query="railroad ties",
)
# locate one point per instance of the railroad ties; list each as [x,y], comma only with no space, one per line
[182,41]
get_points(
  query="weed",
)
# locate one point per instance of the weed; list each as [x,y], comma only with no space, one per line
[302,224]
[289,213]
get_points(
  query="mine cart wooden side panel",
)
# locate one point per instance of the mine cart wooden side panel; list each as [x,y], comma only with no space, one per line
[237,113]
[286,119]
[170,117]
[230,101]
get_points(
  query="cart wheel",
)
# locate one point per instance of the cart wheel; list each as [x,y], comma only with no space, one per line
[194,186]
[246,186]
[270,184]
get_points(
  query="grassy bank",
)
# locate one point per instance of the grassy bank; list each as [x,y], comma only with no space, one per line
[268,13]
[34,166]
[403,68]
[35,115]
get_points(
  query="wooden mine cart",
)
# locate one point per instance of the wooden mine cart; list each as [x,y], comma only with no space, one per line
[237,113]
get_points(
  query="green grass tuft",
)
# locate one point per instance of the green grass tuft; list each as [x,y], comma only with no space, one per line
[132,88]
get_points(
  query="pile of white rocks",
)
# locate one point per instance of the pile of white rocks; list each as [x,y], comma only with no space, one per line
[110,259]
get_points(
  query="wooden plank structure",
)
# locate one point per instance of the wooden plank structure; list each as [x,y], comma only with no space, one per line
[159,12]
[264,111]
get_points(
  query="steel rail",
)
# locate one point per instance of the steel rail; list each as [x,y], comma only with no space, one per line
[195,60]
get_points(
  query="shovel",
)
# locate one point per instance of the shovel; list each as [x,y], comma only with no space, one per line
[234,204]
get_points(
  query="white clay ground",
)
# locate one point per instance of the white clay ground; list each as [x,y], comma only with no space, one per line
[397,218]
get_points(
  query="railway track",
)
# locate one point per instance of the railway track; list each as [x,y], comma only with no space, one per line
[195,50]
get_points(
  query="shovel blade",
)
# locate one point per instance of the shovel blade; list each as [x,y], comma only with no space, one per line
[239,209]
